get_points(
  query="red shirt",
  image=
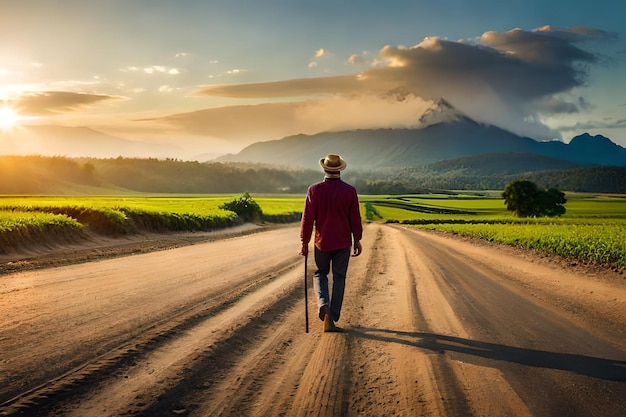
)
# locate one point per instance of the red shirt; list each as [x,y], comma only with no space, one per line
[333,206]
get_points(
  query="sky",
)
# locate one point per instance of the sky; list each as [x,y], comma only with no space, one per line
[214,76]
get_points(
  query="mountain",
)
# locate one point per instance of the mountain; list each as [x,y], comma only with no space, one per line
[597,150]
[444,134]
[441,112]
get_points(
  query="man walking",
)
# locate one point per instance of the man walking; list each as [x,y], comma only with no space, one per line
[333,207]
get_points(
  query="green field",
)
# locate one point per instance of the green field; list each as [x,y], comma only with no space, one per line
[194,204]
[27,220]
[593,230]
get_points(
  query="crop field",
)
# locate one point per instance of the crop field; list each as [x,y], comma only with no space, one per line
[28,219]
[157,204]
[29,222]
[593,230]
[271,205]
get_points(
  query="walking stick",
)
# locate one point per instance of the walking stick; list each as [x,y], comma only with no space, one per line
[306,298]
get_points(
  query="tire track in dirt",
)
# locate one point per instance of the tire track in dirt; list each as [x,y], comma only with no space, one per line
[64,380]
[385,378]
[225,377]
[497,336]
[422,383]
[142,355]
[436,304]
[429,332]
[333,371]
[376,368]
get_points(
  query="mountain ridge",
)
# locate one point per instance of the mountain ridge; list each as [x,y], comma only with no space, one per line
[444,133]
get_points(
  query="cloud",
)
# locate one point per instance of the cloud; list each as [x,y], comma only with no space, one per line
[364,60]
[510,79]
[55,102]
[153,69]
[166,89]
[596,124]
[557,105]
[227,73]
[322,54]
[252,123]
[292,88]
[578,33]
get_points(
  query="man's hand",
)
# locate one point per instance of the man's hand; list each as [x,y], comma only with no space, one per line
[305,249]
[357,248]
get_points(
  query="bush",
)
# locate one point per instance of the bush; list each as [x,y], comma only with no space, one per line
[245,207]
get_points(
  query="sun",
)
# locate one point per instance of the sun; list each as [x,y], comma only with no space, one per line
[8,118]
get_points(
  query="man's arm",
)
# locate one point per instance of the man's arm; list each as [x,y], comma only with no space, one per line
[306,225]
[356,226]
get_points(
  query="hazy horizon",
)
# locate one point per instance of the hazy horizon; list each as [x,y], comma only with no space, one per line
[176,80]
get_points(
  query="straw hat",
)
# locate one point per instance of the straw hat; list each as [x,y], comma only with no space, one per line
[333,163]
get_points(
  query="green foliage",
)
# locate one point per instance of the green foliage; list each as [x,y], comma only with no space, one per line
[592,243]
[371,213]
[245,207]
[192,177]
[520,198]
[441,176]
[525,199]
[22,229]
[107,216]
[100,220]
[38,175]
[592,231]
[550,203]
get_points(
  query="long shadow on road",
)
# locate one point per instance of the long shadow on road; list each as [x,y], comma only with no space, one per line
[607,369]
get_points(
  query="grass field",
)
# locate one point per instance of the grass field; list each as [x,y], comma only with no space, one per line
[593,229]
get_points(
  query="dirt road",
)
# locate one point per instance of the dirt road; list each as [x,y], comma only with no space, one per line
[434,326]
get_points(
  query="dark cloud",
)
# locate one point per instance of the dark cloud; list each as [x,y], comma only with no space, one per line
[55,102]
[520,64]
[556,105]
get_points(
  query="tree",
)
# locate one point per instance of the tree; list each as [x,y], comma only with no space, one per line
[551,203]
[525,199]
[520,197]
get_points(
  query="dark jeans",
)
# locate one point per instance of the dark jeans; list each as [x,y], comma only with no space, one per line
[337,260]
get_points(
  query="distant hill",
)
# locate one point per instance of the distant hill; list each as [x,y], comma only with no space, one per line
[501,163]
[447,151]
[119,176]
[444,134]
[71,142]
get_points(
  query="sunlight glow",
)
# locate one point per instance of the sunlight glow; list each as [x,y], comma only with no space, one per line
[8,118]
